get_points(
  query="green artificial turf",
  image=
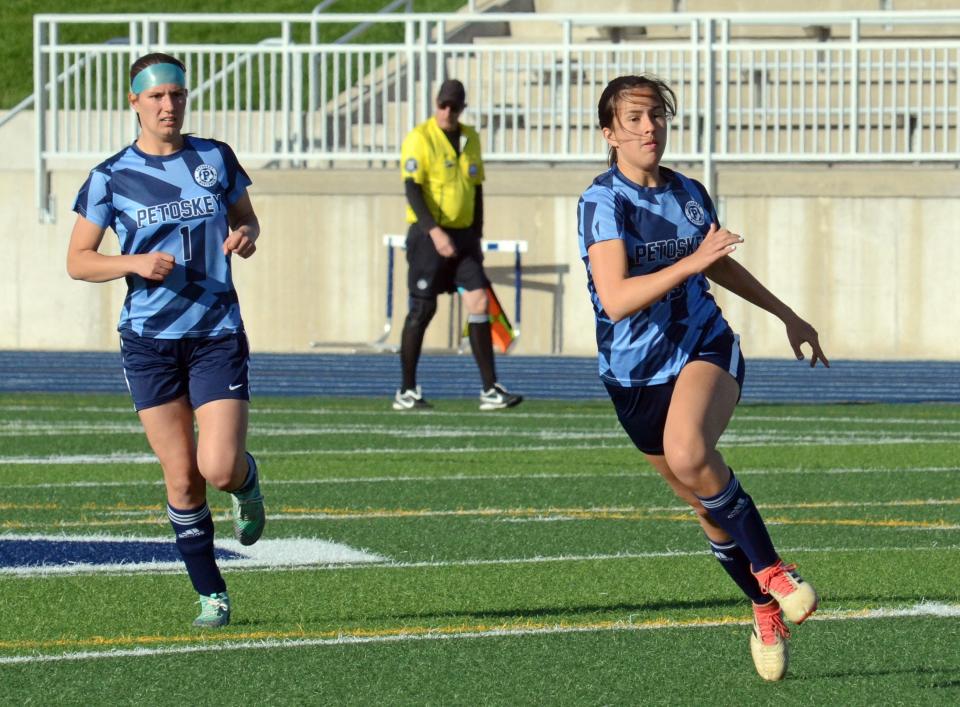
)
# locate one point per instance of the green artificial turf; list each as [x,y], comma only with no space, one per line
[528,557]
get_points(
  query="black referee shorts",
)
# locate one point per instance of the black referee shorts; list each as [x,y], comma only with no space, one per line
[430,274]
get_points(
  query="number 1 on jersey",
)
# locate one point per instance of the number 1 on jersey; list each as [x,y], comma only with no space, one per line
[185,241]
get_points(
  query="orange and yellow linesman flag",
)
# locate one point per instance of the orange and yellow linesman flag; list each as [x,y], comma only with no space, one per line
[501,330]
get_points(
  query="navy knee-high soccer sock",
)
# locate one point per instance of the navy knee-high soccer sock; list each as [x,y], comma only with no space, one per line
[481,343]
[193,528]
[736,564]
[250,482]
[734,511]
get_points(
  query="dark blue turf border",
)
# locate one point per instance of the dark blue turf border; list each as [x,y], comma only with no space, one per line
[20,552]
[453,376]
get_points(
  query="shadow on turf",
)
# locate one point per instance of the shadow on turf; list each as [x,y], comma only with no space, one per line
[918,671]
[539,612]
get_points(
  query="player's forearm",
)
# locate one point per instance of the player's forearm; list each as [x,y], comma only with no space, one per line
[92,266]
[622,297]
[731,275]
[242,216]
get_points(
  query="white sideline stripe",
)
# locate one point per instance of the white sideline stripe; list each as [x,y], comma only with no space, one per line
[336,480]
[736,436]
[935,610]
[605,412]
[634,556]
[136,458]
[501,515]
[551,513]
[130,570]
[729,440]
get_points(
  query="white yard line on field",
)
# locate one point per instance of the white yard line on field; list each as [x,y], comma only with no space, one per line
[450,478]
[735,435]
[547,512]
[302,639]
[276,564]
[602,412]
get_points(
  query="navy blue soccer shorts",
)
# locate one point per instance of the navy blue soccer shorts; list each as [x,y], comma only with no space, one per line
[642,410]
[204,369]
[430,274]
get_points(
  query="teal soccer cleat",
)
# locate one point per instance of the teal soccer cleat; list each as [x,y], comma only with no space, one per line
[214,611]
[249,516]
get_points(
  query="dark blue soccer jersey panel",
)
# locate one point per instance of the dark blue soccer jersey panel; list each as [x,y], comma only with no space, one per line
[658,226]
[174,204]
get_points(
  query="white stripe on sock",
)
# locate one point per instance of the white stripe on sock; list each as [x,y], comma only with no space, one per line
[724,497]
[188,518]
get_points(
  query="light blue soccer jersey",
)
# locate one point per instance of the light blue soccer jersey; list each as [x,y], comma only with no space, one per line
[176,204]
[658,226]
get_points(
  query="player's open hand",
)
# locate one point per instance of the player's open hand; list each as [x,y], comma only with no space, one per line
[154,266]
[717,244]
[800,332]
[442,242]
[241,242]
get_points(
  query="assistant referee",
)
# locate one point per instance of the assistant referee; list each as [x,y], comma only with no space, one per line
[442,171]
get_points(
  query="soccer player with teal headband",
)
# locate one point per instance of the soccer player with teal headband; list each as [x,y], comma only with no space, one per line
[180,208]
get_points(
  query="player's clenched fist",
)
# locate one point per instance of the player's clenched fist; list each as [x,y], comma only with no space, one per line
[241,242]
[154,266]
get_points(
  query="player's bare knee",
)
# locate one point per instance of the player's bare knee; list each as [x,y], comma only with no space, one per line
[478,302]
[220,478]
[222,472]
[686,456]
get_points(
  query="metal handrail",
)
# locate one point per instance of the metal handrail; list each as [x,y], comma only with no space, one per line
[61,78]
[743,97]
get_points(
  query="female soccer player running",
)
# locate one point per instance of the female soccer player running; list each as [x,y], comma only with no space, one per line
[180,209]
[670,362]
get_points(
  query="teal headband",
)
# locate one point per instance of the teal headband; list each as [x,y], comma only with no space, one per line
[157,74]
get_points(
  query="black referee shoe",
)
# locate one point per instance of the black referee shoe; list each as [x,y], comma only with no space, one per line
[410,400]
[498,398]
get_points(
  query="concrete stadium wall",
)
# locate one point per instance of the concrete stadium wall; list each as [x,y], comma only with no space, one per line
[868,254]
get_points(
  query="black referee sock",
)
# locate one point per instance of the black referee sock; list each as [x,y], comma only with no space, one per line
[411,343]
[481,343]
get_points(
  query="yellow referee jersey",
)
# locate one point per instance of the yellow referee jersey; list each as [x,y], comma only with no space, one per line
[448,182]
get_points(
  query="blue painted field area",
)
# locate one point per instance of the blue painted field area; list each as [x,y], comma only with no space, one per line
[455,376]
[45,552]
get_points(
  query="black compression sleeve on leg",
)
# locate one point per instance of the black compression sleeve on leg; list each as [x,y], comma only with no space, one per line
[481,343]
[411,340]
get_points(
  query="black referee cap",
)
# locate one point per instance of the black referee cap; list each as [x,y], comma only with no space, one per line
[452,92]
